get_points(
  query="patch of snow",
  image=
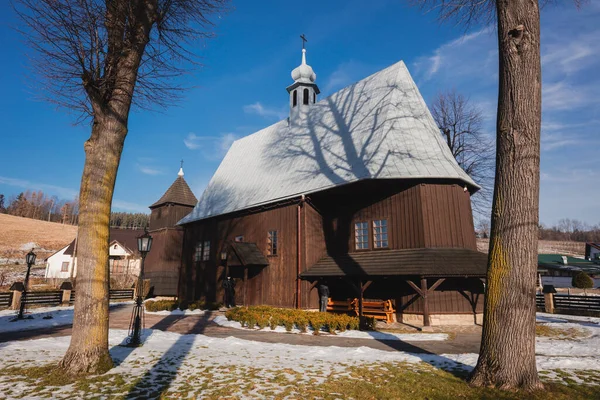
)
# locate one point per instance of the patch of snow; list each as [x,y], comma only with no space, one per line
[60,316]
[176,312]
[408,337]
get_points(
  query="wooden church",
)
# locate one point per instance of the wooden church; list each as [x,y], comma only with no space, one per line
[357,190]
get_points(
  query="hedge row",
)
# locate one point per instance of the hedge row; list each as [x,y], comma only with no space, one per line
[170,305]
[264,316]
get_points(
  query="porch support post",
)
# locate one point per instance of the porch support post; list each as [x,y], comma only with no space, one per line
[360,299]
[424,292]
[245,285]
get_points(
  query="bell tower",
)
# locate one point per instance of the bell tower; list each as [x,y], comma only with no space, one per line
[303,92]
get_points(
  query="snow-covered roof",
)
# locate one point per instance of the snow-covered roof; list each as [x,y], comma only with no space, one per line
[377,128]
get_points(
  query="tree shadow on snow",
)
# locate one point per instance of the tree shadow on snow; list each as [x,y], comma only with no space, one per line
[156,380]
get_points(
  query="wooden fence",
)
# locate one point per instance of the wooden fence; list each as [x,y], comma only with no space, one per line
[571,304]
[5,299]
[55,297]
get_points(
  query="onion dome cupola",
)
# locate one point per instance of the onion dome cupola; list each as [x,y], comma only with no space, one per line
[303,92]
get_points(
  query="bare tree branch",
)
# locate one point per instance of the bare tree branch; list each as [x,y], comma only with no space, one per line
[461,126]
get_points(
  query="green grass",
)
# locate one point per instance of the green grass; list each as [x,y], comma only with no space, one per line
[379,381]
[560,333]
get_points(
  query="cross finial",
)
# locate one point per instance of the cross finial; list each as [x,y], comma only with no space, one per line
[303,40]
[181,163]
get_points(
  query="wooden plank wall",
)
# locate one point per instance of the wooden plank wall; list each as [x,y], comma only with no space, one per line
[168,215]
[419,215]
[447,217]
[163,261]
[314,249]
[446,299]
[274,284]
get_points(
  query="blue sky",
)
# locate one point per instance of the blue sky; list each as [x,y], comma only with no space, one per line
[241,89]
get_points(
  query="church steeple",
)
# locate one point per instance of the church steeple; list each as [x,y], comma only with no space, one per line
[303,92]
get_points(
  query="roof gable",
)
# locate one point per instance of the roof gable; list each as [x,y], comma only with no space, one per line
[377,128]
[178,193]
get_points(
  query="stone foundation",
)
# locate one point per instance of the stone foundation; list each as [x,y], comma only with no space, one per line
[442,319]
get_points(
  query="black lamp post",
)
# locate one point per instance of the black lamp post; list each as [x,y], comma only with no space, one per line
[144,243]
[30,258]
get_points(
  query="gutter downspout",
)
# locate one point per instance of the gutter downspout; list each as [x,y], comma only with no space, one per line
[299,254]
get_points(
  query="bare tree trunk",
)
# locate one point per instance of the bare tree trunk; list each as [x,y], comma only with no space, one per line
[88,351]
[507,355]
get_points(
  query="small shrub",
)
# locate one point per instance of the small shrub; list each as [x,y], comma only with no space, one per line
[367,323]
[161,305]
[581,280]
[273,317]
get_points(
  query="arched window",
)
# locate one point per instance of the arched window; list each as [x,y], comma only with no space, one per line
[305,97]
[295,98]
[314,97]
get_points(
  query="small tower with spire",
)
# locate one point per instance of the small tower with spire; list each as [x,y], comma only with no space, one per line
[303,92]
[176,203]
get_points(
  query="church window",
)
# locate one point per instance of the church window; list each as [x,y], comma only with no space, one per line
[206,251]
[305,97]
[295,98]
[198,252]
[380,234]
[272,243]
[314,97]
[64,267]
[361,235]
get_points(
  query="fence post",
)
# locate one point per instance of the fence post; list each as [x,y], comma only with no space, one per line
[17,290]
[66,288]
[549,303]
[549,291]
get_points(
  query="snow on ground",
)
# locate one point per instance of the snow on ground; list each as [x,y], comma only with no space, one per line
[43,317]
[175,312]
[407,337]
[205,365]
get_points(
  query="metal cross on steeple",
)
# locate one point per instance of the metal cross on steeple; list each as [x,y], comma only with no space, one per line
[303,40]
[181,163]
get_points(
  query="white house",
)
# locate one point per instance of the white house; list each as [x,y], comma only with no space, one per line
[61,264]
[592,252]
[124,258]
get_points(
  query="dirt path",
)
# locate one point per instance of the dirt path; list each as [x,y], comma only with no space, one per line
[461,342]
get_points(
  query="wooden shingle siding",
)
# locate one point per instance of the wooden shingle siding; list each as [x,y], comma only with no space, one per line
[273,284]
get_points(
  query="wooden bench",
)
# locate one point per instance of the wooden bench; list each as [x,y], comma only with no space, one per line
[341,306]
[381,310]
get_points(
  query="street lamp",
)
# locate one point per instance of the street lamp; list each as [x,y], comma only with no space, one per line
[30,258]
[144,243]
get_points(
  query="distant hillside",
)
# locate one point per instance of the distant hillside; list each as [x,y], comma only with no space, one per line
[18,235]
[575,249]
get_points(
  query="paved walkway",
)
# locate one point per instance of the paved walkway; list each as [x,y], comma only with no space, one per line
[460,342]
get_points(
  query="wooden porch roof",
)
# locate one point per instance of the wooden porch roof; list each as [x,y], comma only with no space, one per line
[247,254]
[434,262]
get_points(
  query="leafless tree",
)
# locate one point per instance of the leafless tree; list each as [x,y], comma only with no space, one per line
[100,58]
[461,126]
[507,353]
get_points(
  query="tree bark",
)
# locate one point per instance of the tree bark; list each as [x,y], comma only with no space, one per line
[88,350]
[507,355]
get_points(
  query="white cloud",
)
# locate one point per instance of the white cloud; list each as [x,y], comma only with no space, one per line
[65,193]
[60,191]
[225,142]
[149,170]
[267,112]
[451,55]
[345,74]
[211,147]
[192,141]
[127,206]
